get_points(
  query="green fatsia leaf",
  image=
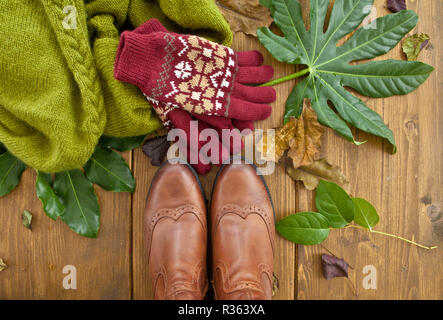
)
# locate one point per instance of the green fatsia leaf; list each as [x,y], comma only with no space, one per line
[353,110]
[294,104]
[50,201]
[110,171]
[379,79]
[11,170]
[368,43]
[82,213]
[287,16]
[325,115]
[329,66]
[280,48]
[346,16]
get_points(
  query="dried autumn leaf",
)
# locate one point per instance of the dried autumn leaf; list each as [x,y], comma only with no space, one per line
[156,148]
[319,170]
[307,140]
[413,45]
[333,267]
[3,265]
[396,5]
[282,139]
[27,219]
[302,136]
[245,15]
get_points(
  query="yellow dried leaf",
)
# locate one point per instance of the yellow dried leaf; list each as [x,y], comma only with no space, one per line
[245,15]
[283,136]
[3,265]
[307,139]
[319,170]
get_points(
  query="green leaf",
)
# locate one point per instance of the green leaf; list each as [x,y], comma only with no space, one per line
[329,65]
[2,148]
[365,213]
[294,104]
[280,48]
[306,228]
[334,204]
[265,3]
[368,43]
[380,79]
[27,219]
[121,144]
[110,171]
[11,170]
[413,45]
[50,201]
[82,213]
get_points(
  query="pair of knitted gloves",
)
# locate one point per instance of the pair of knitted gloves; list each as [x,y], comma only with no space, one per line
[195,84]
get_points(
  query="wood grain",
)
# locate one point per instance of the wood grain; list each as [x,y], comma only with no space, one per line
[36,258]
[406,188]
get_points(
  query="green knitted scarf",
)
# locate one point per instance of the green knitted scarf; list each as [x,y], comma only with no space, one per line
[58,94]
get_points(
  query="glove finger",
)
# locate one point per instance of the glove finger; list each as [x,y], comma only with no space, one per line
[223,126]
[196,163]
[249,58]
[232,140]
[210,143]
[254,94]
[182,120]
[245,110]
[243,125]
[254,75]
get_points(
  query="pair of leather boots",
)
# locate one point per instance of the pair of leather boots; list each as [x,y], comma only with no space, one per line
[241,231]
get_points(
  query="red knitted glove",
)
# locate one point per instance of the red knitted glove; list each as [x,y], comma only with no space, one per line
[194,74]
[177,118]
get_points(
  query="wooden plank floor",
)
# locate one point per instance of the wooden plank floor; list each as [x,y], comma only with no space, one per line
[406,188]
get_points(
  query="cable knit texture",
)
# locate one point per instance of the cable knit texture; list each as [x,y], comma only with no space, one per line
[58,94]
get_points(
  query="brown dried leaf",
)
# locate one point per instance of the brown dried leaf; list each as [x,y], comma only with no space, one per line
[245,15]
[302,136]
[396,5]
[156,148]
[307,140]
[319,170]
[3,265]
[333,267]
[283,136]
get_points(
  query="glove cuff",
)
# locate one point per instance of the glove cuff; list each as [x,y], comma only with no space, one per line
[150,26]
[133,59]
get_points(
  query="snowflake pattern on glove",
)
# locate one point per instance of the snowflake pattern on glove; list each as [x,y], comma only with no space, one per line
[203,75]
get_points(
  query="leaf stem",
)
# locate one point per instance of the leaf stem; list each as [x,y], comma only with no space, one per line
[286,78]
[392,236]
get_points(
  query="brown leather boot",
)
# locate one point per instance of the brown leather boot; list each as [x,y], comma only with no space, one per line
[175,225]
[242,229]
